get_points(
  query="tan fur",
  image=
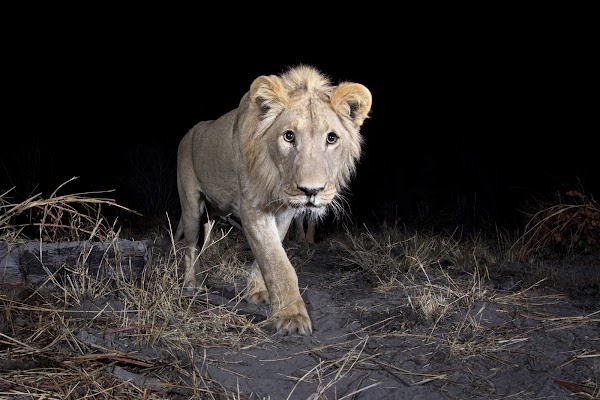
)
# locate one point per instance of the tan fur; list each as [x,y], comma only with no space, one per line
[242,164]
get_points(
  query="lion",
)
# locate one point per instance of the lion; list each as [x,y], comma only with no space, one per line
[289,149]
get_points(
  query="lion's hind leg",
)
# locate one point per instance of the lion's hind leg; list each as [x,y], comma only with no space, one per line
[256,290]
[191,267]
[303,237]
[191,217]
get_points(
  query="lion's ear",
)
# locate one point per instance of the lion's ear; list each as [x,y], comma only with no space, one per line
[353,100]
[268,94]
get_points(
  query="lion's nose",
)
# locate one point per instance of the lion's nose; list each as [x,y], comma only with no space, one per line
[311,191]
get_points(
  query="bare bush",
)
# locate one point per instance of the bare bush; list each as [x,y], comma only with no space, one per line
[571,223]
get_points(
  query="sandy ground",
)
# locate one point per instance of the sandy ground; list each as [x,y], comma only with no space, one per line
[368,343]
[371,342]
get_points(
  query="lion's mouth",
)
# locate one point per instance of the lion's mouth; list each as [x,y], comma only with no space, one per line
[310,203]
[313,201]
[306,202]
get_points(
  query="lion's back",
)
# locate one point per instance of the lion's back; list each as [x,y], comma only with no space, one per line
[207,151]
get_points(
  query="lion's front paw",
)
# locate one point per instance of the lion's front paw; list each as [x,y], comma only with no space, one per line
[292,319]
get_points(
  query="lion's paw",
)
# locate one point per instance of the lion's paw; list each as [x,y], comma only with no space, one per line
[297,324]
[293,319]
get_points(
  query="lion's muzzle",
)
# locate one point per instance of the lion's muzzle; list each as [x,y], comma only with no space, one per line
[312,199]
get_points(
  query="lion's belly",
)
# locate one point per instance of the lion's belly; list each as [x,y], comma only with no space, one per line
[214,162]
[221,207]
[219,190]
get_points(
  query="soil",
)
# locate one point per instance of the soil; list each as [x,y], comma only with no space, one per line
[369,343]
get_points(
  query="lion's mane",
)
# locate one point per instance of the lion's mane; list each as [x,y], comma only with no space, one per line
[268,97]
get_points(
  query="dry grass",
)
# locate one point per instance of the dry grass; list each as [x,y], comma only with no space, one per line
[446,279]
[115,334]
[423,265]
[71,217]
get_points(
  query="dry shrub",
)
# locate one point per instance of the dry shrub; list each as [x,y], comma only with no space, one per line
[59,218]
[438,272]
[381,254]
[393,252]
[571,224]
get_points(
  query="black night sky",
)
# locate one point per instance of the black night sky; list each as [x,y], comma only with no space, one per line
[472,118]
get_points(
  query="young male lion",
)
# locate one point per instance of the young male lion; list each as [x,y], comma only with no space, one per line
[288,150]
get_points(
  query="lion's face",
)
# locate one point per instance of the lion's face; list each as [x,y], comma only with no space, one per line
[309,146]
[305,141]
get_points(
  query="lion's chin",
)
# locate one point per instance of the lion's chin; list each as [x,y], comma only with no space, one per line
[313,207]
[310,208]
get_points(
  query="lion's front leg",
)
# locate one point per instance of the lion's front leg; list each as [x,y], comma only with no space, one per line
[273,276]
[289,314]
[288,311]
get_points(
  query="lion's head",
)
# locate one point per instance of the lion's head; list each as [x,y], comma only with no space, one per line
[301,138]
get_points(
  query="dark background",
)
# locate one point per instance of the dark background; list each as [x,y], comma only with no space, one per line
[473,121]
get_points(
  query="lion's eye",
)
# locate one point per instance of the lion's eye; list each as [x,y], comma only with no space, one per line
[289,136]
[332,138]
